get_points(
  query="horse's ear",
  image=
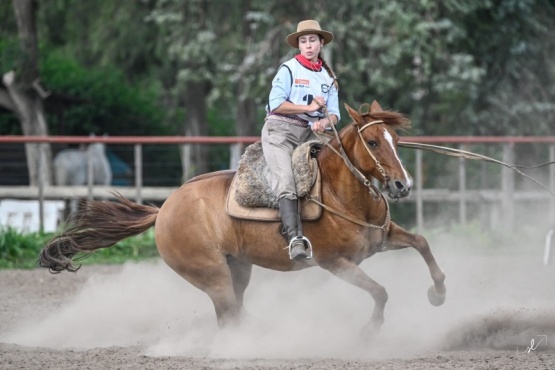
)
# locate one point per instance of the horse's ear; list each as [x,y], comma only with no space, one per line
[375,107]
[354,114]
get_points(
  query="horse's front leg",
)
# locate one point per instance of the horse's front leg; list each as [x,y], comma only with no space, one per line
[353,274]
[399,238]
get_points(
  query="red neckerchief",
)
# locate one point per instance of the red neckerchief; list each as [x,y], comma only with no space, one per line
[316,67]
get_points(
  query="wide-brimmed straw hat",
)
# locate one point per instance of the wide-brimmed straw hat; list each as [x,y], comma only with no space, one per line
[306,27]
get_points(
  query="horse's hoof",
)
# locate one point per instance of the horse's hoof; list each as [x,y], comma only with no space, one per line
[370,333]
[436,298]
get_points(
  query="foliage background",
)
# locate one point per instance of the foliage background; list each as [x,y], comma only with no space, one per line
[458,67]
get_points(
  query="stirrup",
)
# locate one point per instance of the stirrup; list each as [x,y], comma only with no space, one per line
[307,244]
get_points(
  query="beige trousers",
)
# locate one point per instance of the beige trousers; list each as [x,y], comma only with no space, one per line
[279,139]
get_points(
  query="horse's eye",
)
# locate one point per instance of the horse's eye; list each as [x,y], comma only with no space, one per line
[372,144]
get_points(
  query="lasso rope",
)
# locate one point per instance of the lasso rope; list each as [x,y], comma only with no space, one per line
[475,156]
[452,152]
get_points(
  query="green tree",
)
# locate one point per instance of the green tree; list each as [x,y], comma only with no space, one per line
[457,67]
[22,94]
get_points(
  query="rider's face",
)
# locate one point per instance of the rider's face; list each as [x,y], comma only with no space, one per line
[310,46]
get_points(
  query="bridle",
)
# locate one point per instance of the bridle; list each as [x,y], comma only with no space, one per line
[375,192]
[381,170]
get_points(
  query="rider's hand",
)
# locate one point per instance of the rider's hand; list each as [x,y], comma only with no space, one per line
[320,126]
[317,103]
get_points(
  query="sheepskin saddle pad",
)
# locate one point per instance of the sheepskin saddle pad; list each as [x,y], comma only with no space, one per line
[250,188]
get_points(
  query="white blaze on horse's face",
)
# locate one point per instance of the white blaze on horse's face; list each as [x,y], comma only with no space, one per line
[398,187]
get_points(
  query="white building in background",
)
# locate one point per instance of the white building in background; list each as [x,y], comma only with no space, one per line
[23,215]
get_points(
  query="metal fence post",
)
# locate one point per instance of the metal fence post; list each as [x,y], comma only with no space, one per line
[186,164]
[419,195]
[41,168]
[90,173]
[507,187]
[462,188]
[552,184]
[547,250]
[138,173]
[235,151]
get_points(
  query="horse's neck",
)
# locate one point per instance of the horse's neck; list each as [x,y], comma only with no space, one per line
[341,186]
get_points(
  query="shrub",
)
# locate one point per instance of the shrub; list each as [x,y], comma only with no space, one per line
[21,250]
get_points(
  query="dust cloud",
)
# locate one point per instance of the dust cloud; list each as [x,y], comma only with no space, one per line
[500,298]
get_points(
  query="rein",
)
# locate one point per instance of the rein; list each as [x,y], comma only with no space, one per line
[384,227]
[376,194]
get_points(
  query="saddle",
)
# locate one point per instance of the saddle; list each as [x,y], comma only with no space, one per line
[250,196]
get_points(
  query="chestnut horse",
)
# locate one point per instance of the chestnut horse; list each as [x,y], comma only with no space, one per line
[215,252]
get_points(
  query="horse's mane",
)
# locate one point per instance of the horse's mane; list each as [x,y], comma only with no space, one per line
[398,121]
[394,119]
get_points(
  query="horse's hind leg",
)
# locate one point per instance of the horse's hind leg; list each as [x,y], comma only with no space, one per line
[227,309]
[399,238]
[217,282]
[241,276]
[212,275]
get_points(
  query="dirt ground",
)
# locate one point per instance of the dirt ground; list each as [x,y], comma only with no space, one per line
[499,314]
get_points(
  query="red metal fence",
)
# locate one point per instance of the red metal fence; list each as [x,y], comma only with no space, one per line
[503,198]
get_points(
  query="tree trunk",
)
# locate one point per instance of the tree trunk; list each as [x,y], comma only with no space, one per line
[26,95]
[246,115]
[196,155]
[246,107]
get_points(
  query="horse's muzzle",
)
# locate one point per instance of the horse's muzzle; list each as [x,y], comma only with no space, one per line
[398,188]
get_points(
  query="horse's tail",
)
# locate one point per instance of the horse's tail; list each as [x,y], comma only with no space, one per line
[96,225]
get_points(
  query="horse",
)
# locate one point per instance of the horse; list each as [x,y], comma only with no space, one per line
[71,166]
[216,252]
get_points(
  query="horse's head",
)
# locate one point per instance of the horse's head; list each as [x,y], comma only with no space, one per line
[375,148]
[97,149]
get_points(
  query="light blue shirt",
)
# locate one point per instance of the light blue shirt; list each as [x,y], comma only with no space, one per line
[297,84]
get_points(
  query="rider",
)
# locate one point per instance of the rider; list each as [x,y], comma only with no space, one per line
[301,88]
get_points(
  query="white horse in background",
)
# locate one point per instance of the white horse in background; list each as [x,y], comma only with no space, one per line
[71,167]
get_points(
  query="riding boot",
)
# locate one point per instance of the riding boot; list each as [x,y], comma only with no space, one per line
[289,211]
